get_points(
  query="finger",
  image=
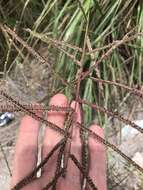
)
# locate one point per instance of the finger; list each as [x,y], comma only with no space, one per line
[52,137]
[97,160]
[25,159]
[72,179]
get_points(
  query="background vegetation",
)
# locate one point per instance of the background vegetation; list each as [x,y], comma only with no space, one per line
[108,21]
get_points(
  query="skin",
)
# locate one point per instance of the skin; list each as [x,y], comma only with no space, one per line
[27,148]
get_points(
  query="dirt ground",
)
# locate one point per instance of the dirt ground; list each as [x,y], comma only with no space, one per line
[28,83]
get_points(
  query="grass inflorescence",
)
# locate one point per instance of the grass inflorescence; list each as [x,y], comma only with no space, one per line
[97,48]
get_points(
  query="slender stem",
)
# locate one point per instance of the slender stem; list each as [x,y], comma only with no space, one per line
[89,180]
[112,114]
[32,114]
[32,175]
[133,90]
[112,146]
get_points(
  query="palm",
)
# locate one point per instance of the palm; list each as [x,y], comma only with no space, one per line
[26,152]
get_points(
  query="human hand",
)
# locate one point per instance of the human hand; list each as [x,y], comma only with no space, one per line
[27,152]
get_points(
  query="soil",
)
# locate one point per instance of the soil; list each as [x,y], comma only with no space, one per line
[28,83]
